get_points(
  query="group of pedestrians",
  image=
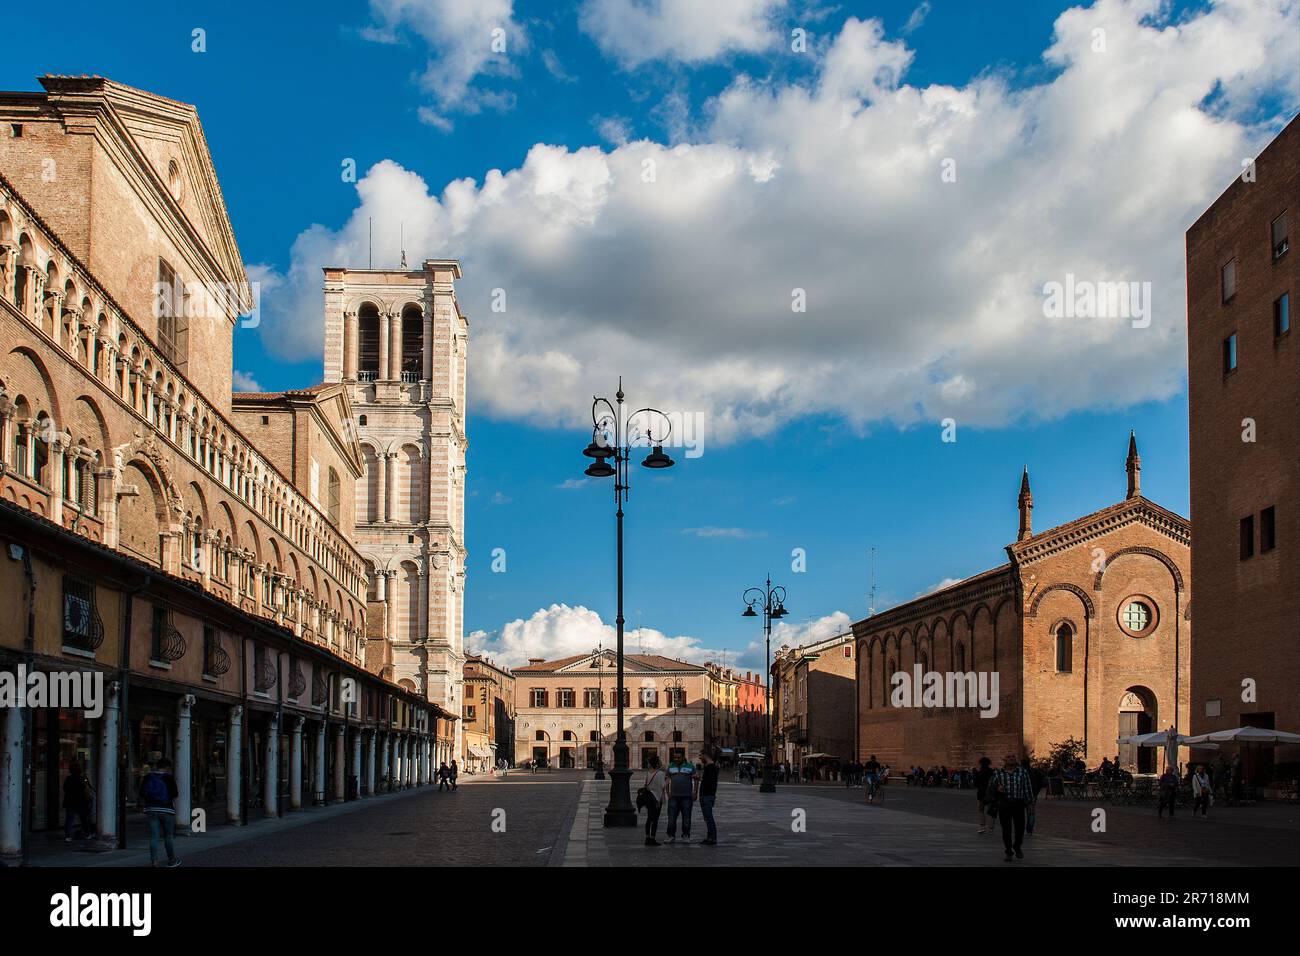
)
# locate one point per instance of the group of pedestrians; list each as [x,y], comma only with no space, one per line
[447,775]
[680,785]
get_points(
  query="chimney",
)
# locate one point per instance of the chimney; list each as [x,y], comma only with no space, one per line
[1134,467]
[537,660]
[1026,503]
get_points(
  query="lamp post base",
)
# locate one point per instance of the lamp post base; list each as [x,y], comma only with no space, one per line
[621,811]
[600,770]
[769,780]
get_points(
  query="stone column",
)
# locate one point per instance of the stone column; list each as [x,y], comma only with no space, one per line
[318,770]
[58,476]
[350,341]
[390,603]
[234,763]
[427,346]
[355,771]
[271,768]
[182,764]
[408,761]
[12,722]
[295,763]
[385,749]
[395,347]
[371,739]
[384,346]
[106,788]
[340,759]
[419,761]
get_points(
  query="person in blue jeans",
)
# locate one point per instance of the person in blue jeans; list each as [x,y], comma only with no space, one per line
[681,797]
[158,790]
[708,794]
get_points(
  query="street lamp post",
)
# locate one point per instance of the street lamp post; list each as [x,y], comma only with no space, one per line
[772,601]
[610,440]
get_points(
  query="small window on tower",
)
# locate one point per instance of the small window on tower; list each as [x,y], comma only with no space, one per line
[1267,530]
[1229,280]
[16,129]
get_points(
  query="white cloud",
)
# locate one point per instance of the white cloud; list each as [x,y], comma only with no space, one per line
[711,531]
[563,631]
[795,634]
[917,18]
[924,298]
[244,382]
[466,41]
[946,582]
[500,498]
[634,32]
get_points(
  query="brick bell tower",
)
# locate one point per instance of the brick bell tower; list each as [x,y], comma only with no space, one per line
[397,337]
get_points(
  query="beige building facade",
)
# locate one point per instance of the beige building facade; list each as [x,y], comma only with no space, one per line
[566,713]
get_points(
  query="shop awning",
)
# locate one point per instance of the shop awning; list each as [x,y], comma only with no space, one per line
[481,752]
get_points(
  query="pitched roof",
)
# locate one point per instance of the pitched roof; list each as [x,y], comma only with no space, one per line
[649,662]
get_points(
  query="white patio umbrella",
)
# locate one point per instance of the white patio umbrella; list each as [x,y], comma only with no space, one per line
[1169,739]
[752,756]
[1245,735]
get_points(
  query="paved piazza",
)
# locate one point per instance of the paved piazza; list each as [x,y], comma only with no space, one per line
[555,820]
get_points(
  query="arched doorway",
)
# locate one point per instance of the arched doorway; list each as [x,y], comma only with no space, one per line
[1137,715]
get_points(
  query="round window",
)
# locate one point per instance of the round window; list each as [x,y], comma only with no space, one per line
[1138,615]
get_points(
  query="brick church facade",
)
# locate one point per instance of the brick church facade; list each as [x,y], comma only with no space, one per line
[1087,627]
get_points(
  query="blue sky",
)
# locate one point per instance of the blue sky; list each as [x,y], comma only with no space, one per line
[824,426]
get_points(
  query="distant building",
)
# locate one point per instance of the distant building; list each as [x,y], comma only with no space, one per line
[566,709]
[813,699]
[751,712]
[1243,388]
[488,714]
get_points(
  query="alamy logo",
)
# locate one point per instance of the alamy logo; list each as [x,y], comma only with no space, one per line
[75,909]
[72,690]
[1084,299]
[949,689]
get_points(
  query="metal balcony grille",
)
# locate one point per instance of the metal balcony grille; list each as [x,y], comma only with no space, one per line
[215,659]
[168,644]
[319,689]
[82,627]
[264,673]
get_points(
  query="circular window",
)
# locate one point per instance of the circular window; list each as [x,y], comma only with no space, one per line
[1138,615]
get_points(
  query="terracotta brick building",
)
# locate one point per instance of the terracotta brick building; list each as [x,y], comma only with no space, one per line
[1243,374]
[1086,627]
[813,702]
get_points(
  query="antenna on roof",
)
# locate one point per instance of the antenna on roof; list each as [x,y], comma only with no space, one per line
[372,243]
[401,240]
[871,605]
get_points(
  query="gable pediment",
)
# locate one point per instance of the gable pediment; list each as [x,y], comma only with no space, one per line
[1090,527]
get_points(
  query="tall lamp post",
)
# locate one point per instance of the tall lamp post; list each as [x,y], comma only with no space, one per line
[610,440]
[771,600]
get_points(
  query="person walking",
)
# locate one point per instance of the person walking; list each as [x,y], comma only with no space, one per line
[983,776]
[872,779]
[652,796]
[444,777]
[708,791]
[1168,793]
[158,790]
[1013,791]
[455,772]
[1202,791]
[78,798]
[681,794]
[1036,780]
